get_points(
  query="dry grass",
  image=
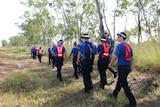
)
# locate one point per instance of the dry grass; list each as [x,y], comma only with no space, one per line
[35,84]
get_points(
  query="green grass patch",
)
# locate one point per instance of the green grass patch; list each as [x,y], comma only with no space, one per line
[147,57]
[37,86]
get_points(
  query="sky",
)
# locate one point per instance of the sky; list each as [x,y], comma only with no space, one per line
[10,11]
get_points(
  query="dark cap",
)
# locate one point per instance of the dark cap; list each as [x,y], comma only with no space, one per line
[107,34]
[123,34]
[103,39]
[61,40]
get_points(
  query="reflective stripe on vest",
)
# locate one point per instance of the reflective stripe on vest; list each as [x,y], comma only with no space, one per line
[60,52]
[106,50]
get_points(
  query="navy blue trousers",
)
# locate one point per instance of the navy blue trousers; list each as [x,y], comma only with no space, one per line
[102,66]
[75,66]
[86,69]
[59,64]
[123,71]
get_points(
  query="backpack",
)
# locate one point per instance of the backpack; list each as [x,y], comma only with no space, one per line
[89,50]
[110,42]
[40,51]
[127,51]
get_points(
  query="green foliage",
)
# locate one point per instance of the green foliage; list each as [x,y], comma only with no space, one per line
[4,43]
[38,23]
[18,41]
[158,12]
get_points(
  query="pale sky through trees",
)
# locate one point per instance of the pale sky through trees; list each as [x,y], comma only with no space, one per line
[10,11]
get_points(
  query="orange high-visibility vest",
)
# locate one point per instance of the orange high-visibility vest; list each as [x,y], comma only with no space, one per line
[60,51]
[106,50]
[127,51]
[40,51]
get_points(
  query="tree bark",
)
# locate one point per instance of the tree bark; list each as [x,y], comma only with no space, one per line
[101,27]
[139,22]
[106,21]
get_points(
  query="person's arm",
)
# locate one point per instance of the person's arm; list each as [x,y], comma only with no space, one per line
[131,59]
[71,53]
[78,58]
[113,59]
[65,57]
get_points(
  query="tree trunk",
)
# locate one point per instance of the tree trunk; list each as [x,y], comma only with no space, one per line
[139,22]
[147,24]
[106,21]
[100,18]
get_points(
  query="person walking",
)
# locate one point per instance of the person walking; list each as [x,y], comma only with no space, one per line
[32,49]
[124,55]
[60,57]
[34,53]
[40,53]
[93,54]
[80,61]
[74,53]
[49,55]
[104,52]
[53,56]
[110,41]
[86,52]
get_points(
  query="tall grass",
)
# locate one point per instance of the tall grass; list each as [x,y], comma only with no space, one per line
[37,86]
[147,57]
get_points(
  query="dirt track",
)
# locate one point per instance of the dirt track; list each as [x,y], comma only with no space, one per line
[136,80]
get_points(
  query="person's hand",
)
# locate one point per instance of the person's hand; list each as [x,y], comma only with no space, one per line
[77,62]
[109,65]
[65,61]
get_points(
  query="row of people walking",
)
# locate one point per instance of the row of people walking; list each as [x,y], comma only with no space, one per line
[87,53]
[36,51]
[83,58]
[123,53]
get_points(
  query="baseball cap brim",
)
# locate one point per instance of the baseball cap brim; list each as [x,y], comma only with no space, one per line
[85,36]
[102,39]
[120,34]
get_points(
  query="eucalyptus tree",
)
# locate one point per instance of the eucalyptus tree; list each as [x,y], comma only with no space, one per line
[147,17]
[104,13]
[38,21]
[31,31]
[101,26]
[121,11]
[4,43]
[18,40]
[75,17]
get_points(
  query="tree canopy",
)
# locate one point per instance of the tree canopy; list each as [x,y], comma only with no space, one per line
[69,19]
